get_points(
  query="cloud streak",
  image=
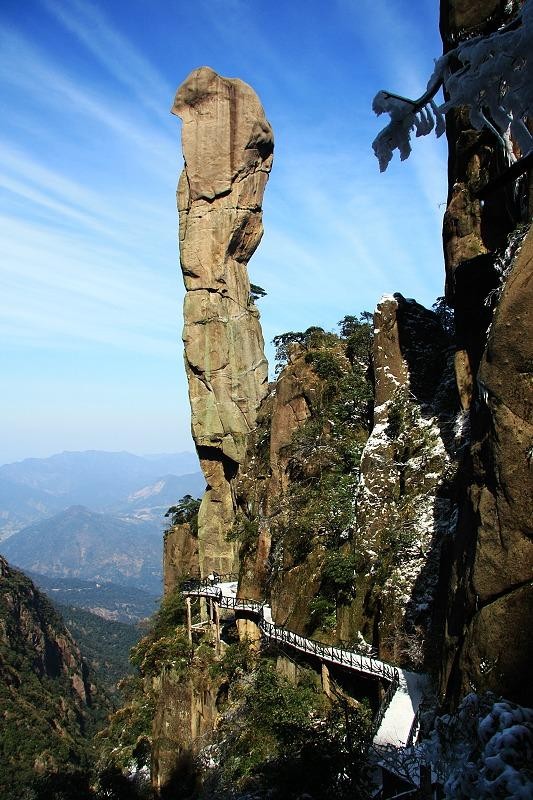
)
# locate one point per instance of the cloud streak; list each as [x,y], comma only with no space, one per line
[22,61]
[113,51]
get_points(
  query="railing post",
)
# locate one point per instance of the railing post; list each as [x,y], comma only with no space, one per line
[189,619]
[324,674]
[216,615]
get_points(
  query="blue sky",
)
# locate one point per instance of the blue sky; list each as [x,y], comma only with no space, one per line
[89,159]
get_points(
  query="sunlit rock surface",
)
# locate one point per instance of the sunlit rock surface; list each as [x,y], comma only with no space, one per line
[227,147]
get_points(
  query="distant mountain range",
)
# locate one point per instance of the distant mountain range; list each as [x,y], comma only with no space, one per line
[88,526]
[79,543]
[120,483]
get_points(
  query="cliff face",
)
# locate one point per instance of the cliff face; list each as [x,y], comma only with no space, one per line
[180,556]
[488,589]
[406,503]
[45,691]
[186,714]
[379,494]
[227,147]
[349,484]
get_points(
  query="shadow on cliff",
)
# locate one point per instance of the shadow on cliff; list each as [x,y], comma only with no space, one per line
[426,343]
[183,781]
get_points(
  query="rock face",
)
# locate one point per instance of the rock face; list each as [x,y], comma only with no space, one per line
[488,566]
[261,489]
[45,690]
[472,228]
[405,502]
[491,584]
[180,556]
[227,147]
[185,714]
[293,403]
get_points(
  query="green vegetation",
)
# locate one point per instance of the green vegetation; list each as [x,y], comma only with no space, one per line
[244,531]
[256,292]
[46,723]
[104,644]
[322,615]
[323,458]
[445,315]
[166,642]
[125,743]
[185,511]
[288,740]
[239,657]
[411,437]
[286,343]
[123,603]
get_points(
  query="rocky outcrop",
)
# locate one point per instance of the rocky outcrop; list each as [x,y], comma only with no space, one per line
[227,147]
[46,693]
[473,228]
[491,584]
[405,501]
[262,487]
[294,402]
[180,556]
[488,566]
[185,714]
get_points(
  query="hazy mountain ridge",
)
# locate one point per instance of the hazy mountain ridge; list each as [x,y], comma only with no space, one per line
[152,500]
[80,543]
[34,489]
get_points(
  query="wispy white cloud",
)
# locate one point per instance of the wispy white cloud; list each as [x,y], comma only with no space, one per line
[46,201]
[21,62]
[25,175]
[56,289]
[123,61]
[88,254]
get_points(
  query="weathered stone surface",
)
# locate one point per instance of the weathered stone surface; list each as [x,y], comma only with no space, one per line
[497,655]
[186,712]
[404,504]
[282,413]
[471,227]
[227,146]
[488,566]
[291,407]
[492,580]
[180,556]
[506,375]
[464,17]
[390,369]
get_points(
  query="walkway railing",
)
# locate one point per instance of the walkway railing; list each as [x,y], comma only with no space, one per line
[335,655]
[214,590]
[193,584]
[383,706]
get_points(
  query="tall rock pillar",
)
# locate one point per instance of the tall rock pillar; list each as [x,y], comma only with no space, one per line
[227,147]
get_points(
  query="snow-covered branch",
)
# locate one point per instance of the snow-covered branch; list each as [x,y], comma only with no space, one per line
[495,82]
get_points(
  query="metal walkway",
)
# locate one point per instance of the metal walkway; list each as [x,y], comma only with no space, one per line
[398,711]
